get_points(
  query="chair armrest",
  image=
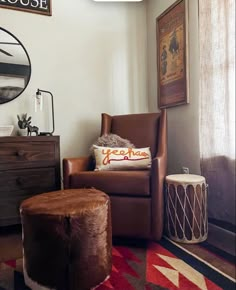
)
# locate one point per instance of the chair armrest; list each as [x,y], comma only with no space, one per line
[162,137]
[159,169]
[74,165]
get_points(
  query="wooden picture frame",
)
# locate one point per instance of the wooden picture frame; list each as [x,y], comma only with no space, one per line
[43,7]
[172,55]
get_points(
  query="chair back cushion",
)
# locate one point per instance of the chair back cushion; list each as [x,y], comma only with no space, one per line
[140,129]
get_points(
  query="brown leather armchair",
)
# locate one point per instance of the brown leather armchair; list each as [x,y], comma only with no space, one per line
[137,202]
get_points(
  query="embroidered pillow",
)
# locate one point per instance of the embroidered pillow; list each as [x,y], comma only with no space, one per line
[120,158]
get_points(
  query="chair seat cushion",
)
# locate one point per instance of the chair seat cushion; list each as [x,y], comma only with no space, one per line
[114,182]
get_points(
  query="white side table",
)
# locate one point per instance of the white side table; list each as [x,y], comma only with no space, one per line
[186,208]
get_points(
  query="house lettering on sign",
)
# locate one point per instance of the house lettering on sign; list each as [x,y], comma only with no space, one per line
[33,6]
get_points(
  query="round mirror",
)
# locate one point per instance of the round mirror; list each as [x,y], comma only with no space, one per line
[15,67]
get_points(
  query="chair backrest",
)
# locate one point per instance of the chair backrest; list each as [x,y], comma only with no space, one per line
[140,129]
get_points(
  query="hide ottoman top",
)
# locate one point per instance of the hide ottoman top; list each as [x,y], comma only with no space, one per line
[67,240]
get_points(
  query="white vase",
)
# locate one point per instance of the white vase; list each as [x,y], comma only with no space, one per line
[23,132]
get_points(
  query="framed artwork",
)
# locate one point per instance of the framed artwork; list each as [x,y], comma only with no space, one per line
[43,7]
[172,55]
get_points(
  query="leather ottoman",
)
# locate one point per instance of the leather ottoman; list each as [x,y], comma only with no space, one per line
[67,241]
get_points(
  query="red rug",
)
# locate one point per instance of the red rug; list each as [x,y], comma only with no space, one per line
[155,266]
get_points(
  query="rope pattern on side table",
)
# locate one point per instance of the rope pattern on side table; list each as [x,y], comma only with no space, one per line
[179,219]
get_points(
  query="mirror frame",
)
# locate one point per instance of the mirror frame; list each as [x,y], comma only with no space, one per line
[27,55]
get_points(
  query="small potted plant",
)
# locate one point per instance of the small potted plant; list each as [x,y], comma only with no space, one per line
[23,123]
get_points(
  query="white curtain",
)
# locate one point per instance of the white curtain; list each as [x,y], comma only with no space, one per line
[217,105]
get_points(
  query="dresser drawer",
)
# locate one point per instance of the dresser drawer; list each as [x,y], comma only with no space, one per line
[26,153]
[9,209]
[29,165]
[27,182]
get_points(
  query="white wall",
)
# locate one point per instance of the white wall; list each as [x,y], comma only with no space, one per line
[183,135]
[94,57]
[91,56]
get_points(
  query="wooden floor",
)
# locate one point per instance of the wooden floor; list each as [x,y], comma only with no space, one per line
[10,243]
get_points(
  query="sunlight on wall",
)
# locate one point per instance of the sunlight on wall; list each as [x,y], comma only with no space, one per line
[120,81]
[91,56]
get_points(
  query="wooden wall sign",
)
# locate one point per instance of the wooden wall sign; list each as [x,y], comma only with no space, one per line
[33,6]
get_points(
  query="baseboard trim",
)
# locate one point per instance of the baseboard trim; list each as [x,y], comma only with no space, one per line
[222,239]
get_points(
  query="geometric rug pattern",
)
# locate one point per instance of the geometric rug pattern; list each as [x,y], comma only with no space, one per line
[153,267]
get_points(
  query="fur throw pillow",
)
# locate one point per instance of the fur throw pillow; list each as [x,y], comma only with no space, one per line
[111,140]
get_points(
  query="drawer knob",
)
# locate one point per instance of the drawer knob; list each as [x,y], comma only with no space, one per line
[20,153]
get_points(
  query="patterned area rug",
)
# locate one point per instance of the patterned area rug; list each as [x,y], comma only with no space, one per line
[156,266]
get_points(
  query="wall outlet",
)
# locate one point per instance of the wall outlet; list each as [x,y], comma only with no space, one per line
[185,170]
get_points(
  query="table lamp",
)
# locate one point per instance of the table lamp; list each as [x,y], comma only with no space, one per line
[38,96]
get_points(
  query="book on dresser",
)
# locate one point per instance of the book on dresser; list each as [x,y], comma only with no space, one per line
[28,166]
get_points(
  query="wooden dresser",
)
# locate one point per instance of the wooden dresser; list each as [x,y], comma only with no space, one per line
[28,166]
